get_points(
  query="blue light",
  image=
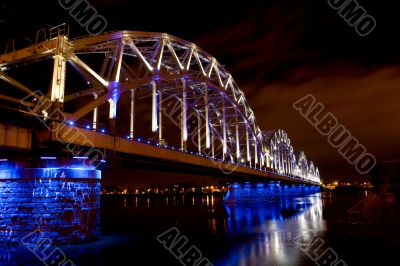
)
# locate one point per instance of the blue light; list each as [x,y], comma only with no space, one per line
[71,123]
[103,131]
[128,137]
[139,139]
[87,127]
[80,158]
[48,158]
[261,193]
[148,142]
[53,188]
[4,165]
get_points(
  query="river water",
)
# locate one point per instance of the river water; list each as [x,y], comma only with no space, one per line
[239,231]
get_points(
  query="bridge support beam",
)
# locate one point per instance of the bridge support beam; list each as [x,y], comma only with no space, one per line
[154,112]
[199,132]
[237,138]
[184,135]
[113,105]
[224,144]
[255,152]
[132,115]
[287,163]
[95,115]
[208,144]
[212,142]
[262,161]
[161,140]
[59,70]
[248,146]
[119,53]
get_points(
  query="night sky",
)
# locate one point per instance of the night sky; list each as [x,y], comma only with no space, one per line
[278,52]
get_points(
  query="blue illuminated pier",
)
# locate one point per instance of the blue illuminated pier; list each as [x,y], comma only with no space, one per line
[62,201]
[266,191]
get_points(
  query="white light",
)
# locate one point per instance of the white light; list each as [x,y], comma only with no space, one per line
[113,109]
[44,112]
[58,84]
[136,50]
[48,158]
[154,124]
[161,55]
[184,113]
[88,69]
[81,158]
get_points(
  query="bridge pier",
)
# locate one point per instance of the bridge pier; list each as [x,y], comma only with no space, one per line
[59,201]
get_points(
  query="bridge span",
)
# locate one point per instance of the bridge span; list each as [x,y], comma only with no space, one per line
[140,93]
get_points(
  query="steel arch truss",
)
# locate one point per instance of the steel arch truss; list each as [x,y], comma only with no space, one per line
[116,65]
[281,157]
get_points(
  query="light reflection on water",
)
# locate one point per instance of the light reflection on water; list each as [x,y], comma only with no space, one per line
[271,216]
[255,231]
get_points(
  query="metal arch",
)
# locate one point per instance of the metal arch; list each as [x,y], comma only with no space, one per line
[280,145]
[105,42]
[81,46]
[300,167]
[156,61]
[165,58]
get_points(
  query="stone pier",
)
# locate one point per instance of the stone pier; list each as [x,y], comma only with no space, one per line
[63,204]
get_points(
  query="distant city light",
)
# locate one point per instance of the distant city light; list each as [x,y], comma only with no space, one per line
[48,158]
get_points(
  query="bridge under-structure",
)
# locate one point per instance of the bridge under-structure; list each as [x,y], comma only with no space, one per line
[140,93]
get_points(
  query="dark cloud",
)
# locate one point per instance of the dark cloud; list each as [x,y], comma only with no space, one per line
[282,53]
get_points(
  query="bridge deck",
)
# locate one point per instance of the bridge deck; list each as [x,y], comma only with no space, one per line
[79,136]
